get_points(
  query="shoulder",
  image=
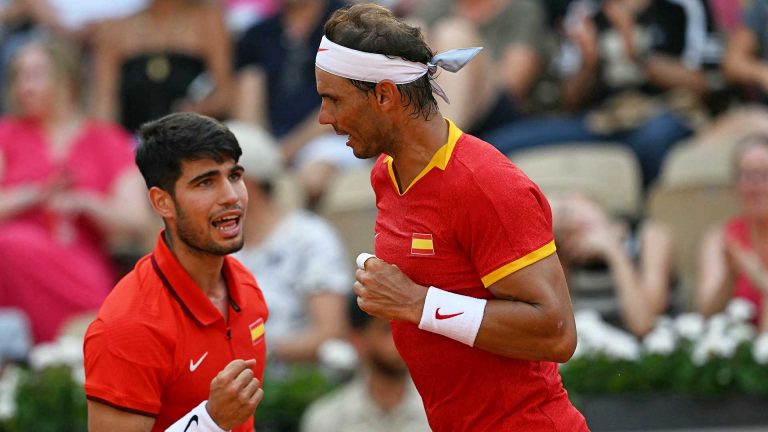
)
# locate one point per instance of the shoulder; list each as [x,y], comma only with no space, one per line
[481,166]
[136,321]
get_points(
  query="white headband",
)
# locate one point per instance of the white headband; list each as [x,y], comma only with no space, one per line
[369,67]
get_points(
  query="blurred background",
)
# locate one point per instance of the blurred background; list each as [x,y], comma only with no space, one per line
[643,121]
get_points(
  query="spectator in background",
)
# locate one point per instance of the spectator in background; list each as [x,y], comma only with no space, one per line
[638,79]
[734,256]
[381,397]
[636,265]
[67,185]
[746,60]
[276,91]
[493,89]
[298,259]
[173,56]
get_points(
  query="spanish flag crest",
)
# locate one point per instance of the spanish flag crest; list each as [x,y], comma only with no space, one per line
[257,331]
[422,244]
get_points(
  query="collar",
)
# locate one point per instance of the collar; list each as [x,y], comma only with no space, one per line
[185,290]
[439,160]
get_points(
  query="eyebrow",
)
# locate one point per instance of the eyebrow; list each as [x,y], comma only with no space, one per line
[213,173]
[206,174]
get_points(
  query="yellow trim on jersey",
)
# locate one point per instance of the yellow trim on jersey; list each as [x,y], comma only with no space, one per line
[440,159]
[506,270]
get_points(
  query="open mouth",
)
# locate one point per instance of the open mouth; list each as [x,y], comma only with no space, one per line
[227,225]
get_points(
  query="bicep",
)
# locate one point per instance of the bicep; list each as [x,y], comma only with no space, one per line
[541,284]
[103,418]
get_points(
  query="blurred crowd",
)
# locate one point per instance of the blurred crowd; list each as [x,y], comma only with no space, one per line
[80,76]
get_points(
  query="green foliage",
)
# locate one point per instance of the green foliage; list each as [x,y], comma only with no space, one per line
[675,373]
[49,401]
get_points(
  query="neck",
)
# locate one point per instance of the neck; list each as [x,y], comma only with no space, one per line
[419,141]
[205,269]
[386,391]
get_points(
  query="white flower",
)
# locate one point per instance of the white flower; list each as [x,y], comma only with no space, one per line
[741,332]
[740,310]
[689,325]
[661,340]
[713,345]
[621,345]
[717,325]
[760,349]
[337,354]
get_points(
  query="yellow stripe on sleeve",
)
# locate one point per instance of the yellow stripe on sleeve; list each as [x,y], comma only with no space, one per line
[507,269]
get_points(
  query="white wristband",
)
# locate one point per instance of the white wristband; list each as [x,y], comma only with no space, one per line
[452,315]
[197,420]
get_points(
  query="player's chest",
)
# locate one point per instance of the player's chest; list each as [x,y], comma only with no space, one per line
[421,238]
[203,351]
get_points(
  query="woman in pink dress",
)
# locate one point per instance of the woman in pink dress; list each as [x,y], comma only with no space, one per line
[66,185]
[734,259]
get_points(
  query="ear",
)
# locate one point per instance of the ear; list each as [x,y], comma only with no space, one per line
[162,202]
[387,95]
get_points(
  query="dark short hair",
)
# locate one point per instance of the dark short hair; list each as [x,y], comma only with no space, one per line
[165,143]
[375,29]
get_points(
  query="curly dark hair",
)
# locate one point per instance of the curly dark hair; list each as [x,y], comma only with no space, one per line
[374,29]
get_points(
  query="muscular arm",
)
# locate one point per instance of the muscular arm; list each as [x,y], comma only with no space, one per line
[103,418]
[531,317]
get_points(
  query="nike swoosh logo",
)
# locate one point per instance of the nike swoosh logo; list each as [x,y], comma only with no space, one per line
[442,317]
[193,419]
[193,366]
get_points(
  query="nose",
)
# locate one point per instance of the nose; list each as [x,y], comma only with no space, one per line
[325,118]
[230,193]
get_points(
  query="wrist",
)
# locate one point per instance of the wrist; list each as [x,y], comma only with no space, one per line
[452,315]
[196,420]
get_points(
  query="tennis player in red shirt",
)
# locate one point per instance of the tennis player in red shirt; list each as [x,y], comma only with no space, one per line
[465,265]
[178,345]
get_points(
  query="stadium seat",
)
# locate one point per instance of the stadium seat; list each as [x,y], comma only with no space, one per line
[691,164]
[690,211]
[609,173]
